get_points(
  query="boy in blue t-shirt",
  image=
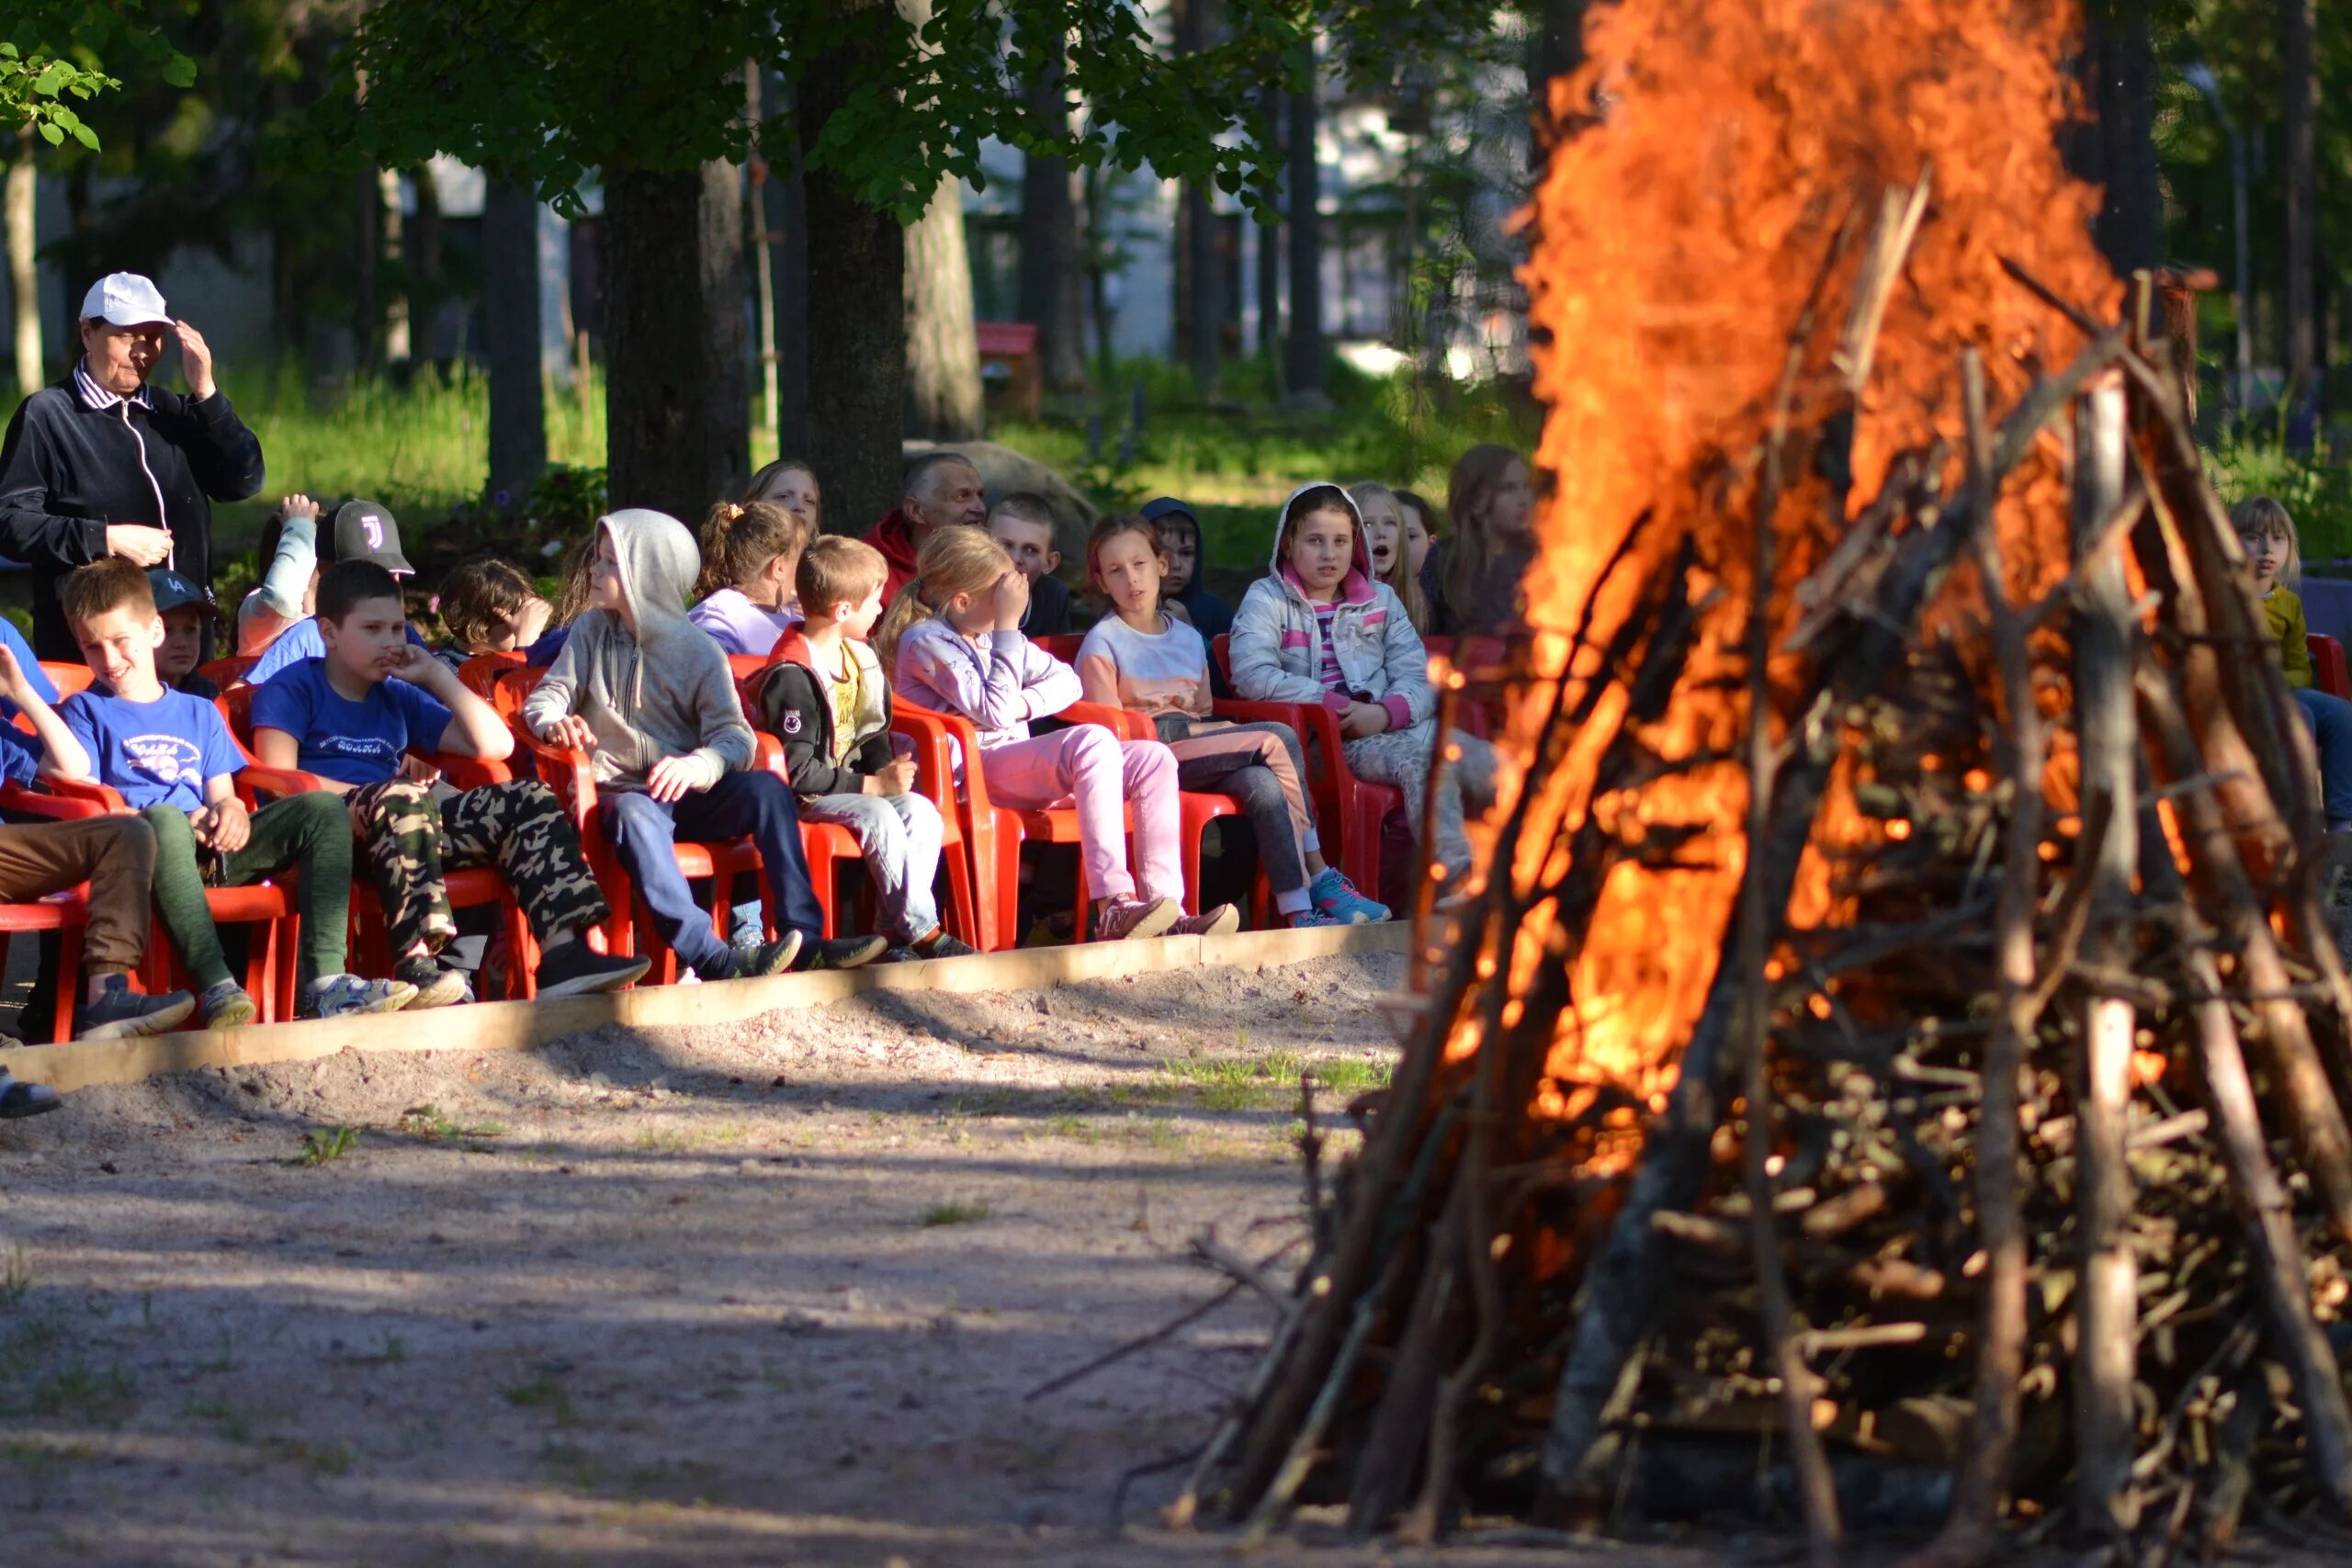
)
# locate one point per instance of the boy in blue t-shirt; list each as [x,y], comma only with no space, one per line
[171,757]
[352,715]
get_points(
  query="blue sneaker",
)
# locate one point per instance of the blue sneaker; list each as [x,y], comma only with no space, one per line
[1335,895]
[339,995]
[121,1014]
[1310,917]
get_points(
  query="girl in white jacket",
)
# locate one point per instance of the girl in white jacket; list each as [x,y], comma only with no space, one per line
[952,642]
[1320,628]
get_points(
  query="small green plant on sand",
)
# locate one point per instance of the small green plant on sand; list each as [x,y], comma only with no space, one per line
[323,1144]
[953,1213]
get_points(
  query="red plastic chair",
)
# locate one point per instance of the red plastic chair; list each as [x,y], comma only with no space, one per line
[1063,646]
[229,671]
[67,678]
[480,675]
[2328,670]
[467,888]
[1357,806]
[66,911]
[270,954]
[573,776]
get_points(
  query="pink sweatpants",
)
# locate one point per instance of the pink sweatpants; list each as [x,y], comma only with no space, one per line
[1088,764]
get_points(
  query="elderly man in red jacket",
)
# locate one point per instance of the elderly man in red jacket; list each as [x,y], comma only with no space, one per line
[943,489]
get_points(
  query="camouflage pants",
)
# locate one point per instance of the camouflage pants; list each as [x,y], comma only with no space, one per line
[409,840]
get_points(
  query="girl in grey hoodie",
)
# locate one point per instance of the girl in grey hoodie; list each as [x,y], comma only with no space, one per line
[651,699]
[1320,628]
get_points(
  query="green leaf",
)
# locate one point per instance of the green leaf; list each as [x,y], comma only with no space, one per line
[180,71]
[49,81]
[50,134]
[85,136]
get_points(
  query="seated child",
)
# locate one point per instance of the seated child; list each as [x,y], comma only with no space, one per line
[791,483]
[171,757]
[1179,537]
[490,607]
[829,701]
[289,576]
[2267,532]
[363,530]
[116,855]
[650,698]
[1475,581]
[1421,529]
[750,556]
[1319,629]
[184,608]
[1138,657]
[1024,525]
[350,717]
[1384,537]
[952,643]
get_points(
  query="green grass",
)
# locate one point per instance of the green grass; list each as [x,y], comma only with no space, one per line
[1239,1083]
[15,1278]
[955,1213]
[323,1145]
[1347,1076]
[542,1392]
[428,1123]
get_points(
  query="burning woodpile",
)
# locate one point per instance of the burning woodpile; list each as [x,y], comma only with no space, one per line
[1895,1072]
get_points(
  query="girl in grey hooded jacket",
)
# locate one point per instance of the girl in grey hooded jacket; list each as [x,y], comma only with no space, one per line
[1319,598]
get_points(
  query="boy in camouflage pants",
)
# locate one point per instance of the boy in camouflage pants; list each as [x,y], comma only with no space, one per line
[351,717]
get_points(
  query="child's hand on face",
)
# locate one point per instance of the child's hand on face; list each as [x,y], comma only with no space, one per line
[1012,600]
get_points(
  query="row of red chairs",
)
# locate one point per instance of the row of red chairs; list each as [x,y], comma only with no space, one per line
[980,849]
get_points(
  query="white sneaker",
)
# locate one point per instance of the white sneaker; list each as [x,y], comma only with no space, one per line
[338,996]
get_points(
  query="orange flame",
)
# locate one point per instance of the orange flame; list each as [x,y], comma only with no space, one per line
[1737,159]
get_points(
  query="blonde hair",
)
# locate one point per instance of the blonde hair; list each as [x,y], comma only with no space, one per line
[573,602]
[1400,579]
[2268,517]
[837,569]
[739,540]
[1478,474]
[758,489]
[952,561]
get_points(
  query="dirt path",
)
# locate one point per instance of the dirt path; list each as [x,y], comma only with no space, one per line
[770,1294]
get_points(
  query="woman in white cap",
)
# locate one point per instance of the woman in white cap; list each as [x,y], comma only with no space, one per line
[104,463]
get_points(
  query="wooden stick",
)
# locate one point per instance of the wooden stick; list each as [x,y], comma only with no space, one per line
[1969,1534]
[1783,1351]
[2106,1502]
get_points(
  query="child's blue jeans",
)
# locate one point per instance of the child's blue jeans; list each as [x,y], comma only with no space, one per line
[754,805]
[2331,721]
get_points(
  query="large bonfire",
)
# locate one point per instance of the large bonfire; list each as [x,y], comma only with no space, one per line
[1894,1068]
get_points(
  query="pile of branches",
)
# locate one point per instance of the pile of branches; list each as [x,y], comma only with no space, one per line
[2020,1191]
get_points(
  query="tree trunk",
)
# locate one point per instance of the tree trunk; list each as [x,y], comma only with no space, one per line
[762,258]
[2119,77]
[1100,242]
[789,260]
[942,352]
[1270,238]
[1304,362]
[24,270]
[1559,49]
[676,411]
[510,299]
[366,325]
[2302,23]
[392,239]
[857,341]
[424,292]
[1052,277]
[1203,270]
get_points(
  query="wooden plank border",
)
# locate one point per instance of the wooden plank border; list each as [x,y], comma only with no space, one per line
[519,1026]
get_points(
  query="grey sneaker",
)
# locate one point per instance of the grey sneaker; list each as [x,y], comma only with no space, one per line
[20,1100]
[753,960]
[339,995]
[226,1006]
[1116,920]
[435,986]
[1222,920]
[121,1014]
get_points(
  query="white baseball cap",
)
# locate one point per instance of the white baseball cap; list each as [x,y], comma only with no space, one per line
[125,299]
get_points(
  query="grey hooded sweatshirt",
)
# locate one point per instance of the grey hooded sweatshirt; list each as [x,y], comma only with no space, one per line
[663,690]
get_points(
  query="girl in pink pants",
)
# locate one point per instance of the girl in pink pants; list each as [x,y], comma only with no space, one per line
[952,642]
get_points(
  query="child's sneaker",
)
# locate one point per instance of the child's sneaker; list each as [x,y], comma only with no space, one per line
[340,996]
[756,959]
[1335,895]
[939,945]
[575,969]
[1311,918]
[121,1014]
[19,1100]
[1222,920]
[1117,919]
[226,1006]
[841,952]
[435,986]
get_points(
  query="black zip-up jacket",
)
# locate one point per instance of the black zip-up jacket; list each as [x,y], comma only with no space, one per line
[67,470]
[795,708]
[1049,612]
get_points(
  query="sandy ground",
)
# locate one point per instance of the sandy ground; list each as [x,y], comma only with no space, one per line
[768,1293]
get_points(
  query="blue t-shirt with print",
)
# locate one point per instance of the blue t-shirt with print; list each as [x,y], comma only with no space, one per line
[299,641]
[19,755]
[155,754]
[352,743]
